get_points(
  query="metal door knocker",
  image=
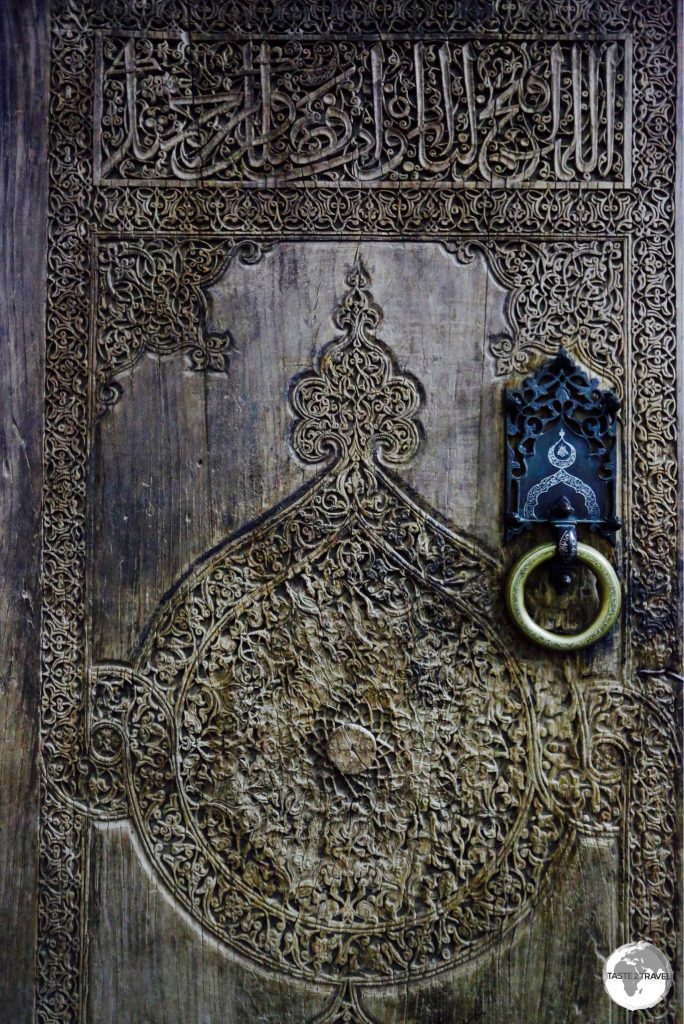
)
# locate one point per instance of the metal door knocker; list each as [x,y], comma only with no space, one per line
[560,470]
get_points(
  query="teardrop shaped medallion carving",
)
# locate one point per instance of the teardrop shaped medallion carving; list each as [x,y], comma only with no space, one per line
[329,749]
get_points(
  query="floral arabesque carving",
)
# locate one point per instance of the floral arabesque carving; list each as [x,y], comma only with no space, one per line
[560,293]
[656,479]
[63,694]
[416,212]
[348,620]
[151,298]
[374,17]
[329,751]
[355,404]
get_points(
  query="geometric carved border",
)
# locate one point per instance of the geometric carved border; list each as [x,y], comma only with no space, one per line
[642,704]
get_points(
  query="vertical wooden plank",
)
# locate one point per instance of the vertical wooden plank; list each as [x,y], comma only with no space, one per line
[23,191]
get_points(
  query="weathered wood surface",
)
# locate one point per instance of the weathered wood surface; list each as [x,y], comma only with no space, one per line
[23,192]
[281,781]
[151,965]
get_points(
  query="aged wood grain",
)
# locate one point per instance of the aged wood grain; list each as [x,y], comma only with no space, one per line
[23,182]
[153,965]
[573,759]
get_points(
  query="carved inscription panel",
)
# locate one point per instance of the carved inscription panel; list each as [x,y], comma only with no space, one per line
[536,111]
[296,255]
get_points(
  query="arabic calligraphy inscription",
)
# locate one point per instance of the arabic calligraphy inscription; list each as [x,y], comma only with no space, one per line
[409,112]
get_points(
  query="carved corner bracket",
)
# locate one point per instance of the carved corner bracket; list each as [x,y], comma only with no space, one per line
[560,293]
[151,298]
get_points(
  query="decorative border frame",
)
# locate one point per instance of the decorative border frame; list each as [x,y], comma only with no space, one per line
[643,216]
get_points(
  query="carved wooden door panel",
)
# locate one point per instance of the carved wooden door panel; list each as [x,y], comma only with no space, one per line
[297,763]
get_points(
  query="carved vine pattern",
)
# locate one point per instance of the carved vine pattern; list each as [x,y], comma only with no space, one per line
[421,213]
[348,610]
[151,298]
[560,294]
[633,723]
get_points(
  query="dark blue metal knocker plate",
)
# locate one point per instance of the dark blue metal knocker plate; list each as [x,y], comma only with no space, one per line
[561,435]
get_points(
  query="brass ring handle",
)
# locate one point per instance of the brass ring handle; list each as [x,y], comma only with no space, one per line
[610,598]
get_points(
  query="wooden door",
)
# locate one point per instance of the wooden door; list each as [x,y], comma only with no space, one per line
[289,760]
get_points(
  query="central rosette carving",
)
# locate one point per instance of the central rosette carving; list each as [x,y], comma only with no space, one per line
[355,751]
[352,749]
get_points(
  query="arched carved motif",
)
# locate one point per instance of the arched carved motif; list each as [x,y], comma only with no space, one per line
[331,758]
[321,725]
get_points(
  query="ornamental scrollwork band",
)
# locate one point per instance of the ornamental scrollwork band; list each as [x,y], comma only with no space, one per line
[604,750]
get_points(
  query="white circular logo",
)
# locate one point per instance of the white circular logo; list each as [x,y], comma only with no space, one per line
[637,975]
